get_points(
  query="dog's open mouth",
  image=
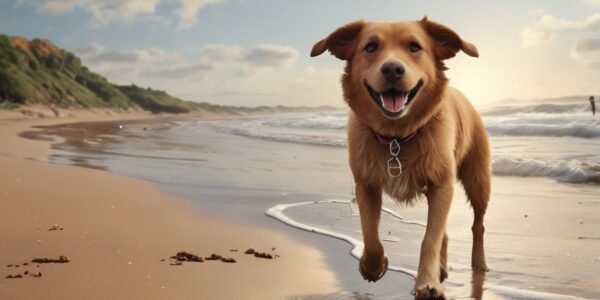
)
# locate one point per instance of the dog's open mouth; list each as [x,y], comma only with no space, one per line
[393,101]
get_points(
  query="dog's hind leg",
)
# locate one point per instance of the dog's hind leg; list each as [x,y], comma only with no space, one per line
[373,263]
[475,174]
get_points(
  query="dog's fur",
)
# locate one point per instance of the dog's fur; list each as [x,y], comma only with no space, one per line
[451,141]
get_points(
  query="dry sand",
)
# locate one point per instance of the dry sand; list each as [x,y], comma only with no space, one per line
[117,230]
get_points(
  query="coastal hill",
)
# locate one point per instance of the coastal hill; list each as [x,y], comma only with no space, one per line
[37,72]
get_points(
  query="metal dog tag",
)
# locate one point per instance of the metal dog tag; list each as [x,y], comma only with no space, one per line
[394,167]
[394,148]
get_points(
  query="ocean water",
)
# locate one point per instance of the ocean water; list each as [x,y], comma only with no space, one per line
[560,140]
[542,226]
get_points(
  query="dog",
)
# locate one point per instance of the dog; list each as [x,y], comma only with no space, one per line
[410,135]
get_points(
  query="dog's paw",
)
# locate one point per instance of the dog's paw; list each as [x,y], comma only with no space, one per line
[429,291]
[373,270]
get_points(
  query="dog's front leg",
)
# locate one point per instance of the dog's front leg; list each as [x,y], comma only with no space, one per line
[428,285]
[373,264]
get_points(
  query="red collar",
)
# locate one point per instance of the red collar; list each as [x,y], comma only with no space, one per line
[386,140]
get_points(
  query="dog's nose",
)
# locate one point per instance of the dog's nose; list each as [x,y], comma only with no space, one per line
[392,71]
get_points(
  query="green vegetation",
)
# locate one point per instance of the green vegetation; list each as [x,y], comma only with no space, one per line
[37,72]
[154,100]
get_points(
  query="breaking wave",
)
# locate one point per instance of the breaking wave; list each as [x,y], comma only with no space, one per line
[573,129]
[571,171]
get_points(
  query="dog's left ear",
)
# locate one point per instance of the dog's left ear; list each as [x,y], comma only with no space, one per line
[341,43]
[448,42]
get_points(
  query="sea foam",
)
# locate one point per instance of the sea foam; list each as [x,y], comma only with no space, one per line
[278,212]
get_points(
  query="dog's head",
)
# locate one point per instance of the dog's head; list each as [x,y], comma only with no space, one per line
[395,71]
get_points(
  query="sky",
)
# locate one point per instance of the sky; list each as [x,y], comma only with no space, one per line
[256,52]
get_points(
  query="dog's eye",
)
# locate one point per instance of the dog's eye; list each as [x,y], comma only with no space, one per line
[414,47]
[371,47]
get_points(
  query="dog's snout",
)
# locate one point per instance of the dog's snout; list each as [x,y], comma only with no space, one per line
[392,71]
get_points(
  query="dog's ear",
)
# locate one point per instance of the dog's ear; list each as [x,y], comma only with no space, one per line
[341,43]
[448,43]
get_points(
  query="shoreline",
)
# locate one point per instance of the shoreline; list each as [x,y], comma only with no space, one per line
[117,229]
[479,288]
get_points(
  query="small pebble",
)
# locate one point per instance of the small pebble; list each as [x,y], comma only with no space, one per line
[214,257]
[263,255]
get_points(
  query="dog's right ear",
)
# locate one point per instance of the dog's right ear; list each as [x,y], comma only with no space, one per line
[341,43]
[448,42]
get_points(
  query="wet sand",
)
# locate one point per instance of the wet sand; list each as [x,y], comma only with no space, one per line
[116,230]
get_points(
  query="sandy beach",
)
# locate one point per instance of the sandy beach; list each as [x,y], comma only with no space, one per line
[117,230]
[153,186]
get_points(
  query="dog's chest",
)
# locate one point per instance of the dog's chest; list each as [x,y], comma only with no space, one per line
[405,187]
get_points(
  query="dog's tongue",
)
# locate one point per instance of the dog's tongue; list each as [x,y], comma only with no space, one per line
[393,101]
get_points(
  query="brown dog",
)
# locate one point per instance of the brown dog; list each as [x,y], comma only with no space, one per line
[402,108]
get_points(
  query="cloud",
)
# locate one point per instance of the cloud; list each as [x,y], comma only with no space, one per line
[218,59]
[587,52]
[180,71]
[532,37]
[188,10]
[547,27]
[109,12]
[550,22]
[592,2]
[251,60]
[123,62]
[265,57]
[104,12]
[128,57]
[221,52]
[90,49]
[587,45]
[269,55]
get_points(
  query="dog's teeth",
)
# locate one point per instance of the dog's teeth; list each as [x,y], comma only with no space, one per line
[381,99]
